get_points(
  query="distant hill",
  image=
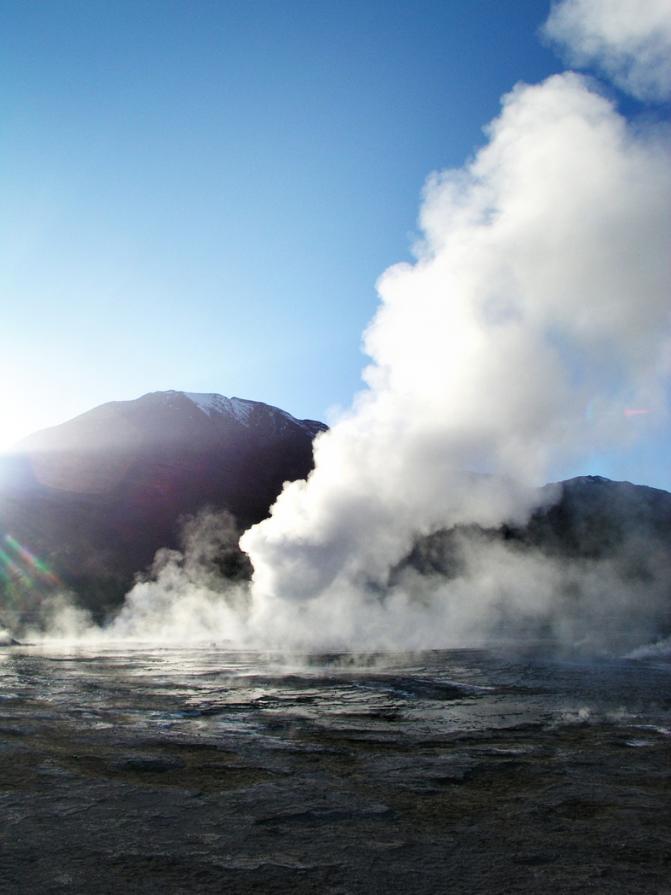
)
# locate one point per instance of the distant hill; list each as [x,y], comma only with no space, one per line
[95,497]
[606,547]
[585,518]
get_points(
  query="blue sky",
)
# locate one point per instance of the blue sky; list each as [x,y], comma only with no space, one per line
[202,195]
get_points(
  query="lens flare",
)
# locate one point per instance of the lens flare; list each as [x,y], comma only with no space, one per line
[20,563]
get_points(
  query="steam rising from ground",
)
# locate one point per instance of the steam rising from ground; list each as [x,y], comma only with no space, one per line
[482,588]
[536,312]
[540,290]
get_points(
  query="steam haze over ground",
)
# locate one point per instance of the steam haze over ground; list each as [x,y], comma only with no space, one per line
[532,326]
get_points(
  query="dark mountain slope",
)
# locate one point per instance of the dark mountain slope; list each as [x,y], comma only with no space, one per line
[97,496]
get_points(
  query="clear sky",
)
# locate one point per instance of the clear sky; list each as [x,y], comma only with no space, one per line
[201,195]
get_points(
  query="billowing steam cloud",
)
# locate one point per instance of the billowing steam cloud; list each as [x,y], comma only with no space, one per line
[540,289]
[539,293]
[630,40]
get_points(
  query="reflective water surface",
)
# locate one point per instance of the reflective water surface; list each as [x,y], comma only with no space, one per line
[204,769]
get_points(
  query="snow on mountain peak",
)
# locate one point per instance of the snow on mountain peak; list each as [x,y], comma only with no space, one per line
[242,409]
[213,404]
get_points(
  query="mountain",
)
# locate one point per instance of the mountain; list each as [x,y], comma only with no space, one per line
[585,518]
[603,547]
[94,498]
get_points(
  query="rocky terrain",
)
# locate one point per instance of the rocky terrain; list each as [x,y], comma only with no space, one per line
[203,771]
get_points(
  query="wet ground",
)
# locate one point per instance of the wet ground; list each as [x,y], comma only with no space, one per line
[194,771]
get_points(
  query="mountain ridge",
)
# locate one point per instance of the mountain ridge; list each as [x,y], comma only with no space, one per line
[214,407]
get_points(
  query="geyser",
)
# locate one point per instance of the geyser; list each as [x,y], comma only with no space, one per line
[535,317]
[540,290]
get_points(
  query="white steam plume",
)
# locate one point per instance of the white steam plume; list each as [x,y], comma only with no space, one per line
[541,287]
[191,594]
[630,40]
